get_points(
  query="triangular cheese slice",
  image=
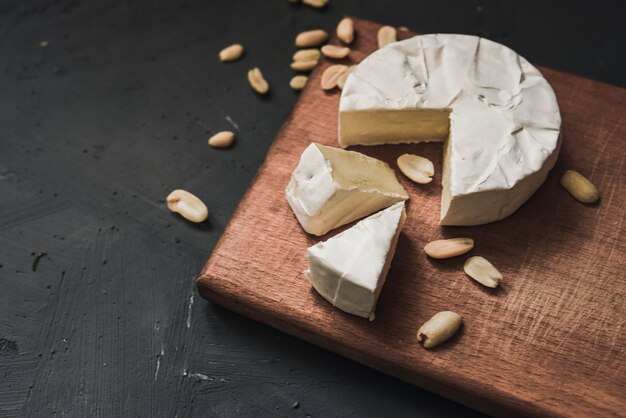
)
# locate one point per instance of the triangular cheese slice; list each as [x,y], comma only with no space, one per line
[331,187]
[349,269]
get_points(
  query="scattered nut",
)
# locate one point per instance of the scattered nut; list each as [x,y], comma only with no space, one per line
[318,4]
[231,53]
[344,76]
[482,271]
[304,65]
[43,44]
[187,205]
[337,52]
[404,28]
[446,248]
[298,82]
[579,187]
[330,76]
[438,329]
[345,30]
[222,139]
[418,169]
[386,35]
[307,54]
[311,38]
[258,83]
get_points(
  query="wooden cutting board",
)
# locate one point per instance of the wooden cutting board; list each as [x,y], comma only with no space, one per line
[550,341]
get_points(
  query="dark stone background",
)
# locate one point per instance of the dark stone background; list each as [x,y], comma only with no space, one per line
[97,128]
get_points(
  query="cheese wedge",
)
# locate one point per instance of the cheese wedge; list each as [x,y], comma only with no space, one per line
[331,187]
[498,116]
[350,269]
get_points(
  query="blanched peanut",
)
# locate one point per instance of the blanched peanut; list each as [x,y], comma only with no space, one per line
[231,53]
[257,82]
[187,205]
[579,187]
[446,248]
[344,76]
[336,52]
[482,271]
[298,82]
[330,76]
[418,169]
[310,54]
[318,4]
[386,35]
[345,30]
[311,38]
[441,327]
[303,65]
[222,139]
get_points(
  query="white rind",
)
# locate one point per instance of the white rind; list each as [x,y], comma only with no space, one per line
[350,268]
[504,122]
[321,202]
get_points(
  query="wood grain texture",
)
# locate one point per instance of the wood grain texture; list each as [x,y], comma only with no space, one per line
[548,342]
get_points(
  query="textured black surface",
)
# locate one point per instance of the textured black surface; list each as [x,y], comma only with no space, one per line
[100,125]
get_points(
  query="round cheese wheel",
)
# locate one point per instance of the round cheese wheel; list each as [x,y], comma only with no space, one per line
[497,116]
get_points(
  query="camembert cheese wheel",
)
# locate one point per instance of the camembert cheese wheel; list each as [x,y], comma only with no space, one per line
[496,114]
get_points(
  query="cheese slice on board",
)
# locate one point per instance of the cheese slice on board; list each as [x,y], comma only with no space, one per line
[350,269]
[331,187]
[498,116]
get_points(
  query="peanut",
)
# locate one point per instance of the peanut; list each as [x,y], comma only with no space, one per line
[582,189]
[345,30]
[337,52]
[438,329]
[482,271]
[258,83]
[298,82]
[446,248]
[187,205]
[341,81]
[231,53]
[386,35]
[222,139]
[307,55]
[311,38]
[304,65]
[318,4]
[418,169]
[330,76]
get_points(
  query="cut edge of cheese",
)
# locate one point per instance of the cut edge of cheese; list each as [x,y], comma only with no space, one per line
[371,127]
[331,187]
[474,207]
[350,269]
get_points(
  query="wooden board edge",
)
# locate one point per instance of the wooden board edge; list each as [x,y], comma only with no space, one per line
[285,125]
[484,401]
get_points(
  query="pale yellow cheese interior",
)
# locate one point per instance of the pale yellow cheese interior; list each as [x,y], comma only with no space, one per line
[381,126]
[374,127]
[352,170]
